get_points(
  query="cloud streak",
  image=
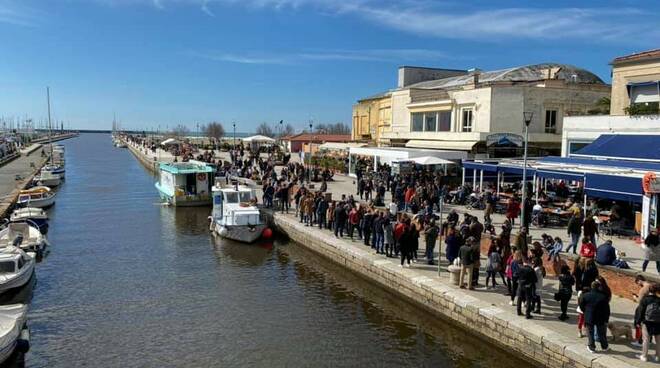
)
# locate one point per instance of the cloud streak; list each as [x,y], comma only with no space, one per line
[339,55]
[11,13]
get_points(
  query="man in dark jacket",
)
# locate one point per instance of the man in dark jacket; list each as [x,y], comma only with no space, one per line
[321,210]
[596,308]
[526,284]
[466,255]
[431,236]
[367,223]
[574,230]
[340,219]
[605,254]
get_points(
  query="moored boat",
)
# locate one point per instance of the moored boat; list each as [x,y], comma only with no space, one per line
[32,215]
[39,197]
[235,214]
[14,333]
[16,268]
[185,183]
[48,179]
[24,236]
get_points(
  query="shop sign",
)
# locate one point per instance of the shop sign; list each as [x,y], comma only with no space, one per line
[504,139]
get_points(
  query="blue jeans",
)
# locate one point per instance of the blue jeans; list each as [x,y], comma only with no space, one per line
[379,242]
[430,247]
[575,238]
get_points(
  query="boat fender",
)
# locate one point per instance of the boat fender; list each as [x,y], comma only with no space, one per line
[223,231]
[267,233]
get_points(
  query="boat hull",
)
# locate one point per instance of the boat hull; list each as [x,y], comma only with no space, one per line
[244,234]
[20,279]
[38,203]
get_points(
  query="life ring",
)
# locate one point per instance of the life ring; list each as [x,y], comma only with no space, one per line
[201,177]
[646,181]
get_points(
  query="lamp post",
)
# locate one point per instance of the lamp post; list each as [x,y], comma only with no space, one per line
[309,166]
[234,125]
[527,115]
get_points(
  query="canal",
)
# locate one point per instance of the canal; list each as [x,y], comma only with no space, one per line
[130,283]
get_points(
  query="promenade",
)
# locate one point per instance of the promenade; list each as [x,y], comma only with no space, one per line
[25,166]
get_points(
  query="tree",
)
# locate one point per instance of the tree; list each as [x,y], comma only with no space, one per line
[265,129]
[180,131]
[288,130]
[602,107]
[214,131]
[337,128]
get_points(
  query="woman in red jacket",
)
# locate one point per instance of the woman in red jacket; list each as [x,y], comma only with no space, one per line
[512,210]
[588,249]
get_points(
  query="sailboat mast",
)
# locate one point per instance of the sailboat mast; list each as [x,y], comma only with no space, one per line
[49,125]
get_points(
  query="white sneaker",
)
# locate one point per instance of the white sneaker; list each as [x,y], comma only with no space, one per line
[636,344]
[512,303]
[643,358]
[591,350]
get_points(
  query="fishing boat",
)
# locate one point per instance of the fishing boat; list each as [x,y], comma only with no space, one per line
[39,197]
[56,169]
[47,178]
[32,215]
[24,236]
[16,268]
[185,184]
[14,333]
[235,214]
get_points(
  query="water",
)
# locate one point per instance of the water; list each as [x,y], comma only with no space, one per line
[129,283]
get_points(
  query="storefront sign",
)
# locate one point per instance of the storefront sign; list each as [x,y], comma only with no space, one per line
[504,139]
[651,183]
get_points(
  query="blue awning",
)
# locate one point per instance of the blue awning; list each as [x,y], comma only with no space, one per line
[631,85]
[562,175]
[623,188]
[623,164]
[623,146]
[487,167]
[515,170]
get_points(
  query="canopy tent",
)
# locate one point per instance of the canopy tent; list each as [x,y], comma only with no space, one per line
[169,141]
[623,147]
[430,160]
[258,139]
[626,188]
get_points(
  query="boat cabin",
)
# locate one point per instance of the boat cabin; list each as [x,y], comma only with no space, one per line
[235,206]
[185,183]
[12,262]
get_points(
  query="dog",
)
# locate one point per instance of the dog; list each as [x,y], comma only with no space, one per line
[619,329]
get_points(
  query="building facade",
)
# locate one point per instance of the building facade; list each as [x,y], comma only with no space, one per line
[635,82]
[370,116]
[482,112]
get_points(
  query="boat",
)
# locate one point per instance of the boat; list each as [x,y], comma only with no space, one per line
[24,236]
[47,178]
[39,197]
[185,184]
[235,215]
[35,216]
[14,333]
[56,169]
[16,268]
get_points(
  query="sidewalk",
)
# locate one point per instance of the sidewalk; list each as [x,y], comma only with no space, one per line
[622,309]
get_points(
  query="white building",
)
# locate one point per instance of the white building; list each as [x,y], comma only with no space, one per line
[460,112]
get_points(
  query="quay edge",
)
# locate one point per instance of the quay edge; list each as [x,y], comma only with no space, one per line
[533,341]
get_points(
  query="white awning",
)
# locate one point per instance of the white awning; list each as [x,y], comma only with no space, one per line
[430,160]
[336,146]
[169,141]
[443,145]
[258,138]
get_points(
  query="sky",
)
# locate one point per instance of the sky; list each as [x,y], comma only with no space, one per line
[159,63]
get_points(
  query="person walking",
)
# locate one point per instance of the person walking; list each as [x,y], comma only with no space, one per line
[430,237]
[494,263]
[563,295]
[526,284]
[353,221]
[512,210]
[590,228]
[574,230]
[651,250]
[596,308]
[465,254]
[512,273]
[647,316]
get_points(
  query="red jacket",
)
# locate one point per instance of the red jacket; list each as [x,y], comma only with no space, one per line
[588,250]
[410,192]
[353,217]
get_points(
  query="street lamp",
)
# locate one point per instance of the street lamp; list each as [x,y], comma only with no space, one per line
[527,115]
[234,125]
[309,166]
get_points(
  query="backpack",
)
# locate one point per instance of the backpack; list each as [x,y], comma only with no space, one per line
[653,311]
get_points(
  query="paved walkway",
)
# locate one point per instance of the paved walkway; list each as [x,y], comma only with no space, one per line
[24,166]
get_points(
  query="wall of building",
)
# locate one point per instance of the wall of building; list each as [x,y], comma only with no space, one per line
[585,129]
[409,74]
[630,72]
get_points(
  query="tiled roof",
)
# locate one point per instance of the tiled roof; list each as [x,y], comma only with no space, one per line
[649,54]
[306,137]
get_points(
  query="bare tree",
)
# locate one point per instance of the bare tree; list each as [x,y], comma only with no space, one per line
[288,130]
[265,129]
[180,131]
[337,128]
[214,131]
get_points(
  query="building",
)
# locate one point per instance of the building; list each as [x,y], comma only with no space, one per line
[481,113]
[370,116]
[296,142]
[635,83]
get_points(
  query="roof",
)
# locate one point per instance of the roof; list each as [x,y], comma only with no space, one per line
[624,147]
[376,96]
[190,167]
[527,73]
[258,138]
[338,146]
[638,56]
[306,137]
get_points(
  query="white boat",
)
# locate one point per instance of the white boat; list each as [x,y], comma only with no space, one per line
[35,216]
[56,169]
[24,236]
[16,268]
[39,197]
[14,333]
[235,214]
[185,184]
[48,179]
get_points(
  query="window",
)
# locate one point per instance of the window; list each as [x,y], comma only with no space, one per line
[7,266]
[429,121]
[444,121]
[467,120]
[418,122]
[232,197]
[551,121]
[246,196]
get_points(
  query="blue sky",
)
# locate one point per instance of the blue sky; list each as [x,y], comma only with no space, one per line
[165,62]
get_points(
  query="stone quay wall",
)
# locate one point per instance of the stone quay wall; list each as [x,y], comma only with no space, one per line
[531,340]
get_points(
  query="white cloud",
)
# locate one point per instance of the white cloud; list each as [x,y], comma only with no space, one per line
[13,13]
[373,55]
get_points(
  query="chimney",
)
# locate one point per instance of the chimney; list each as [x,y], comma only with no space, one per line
[475,73]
